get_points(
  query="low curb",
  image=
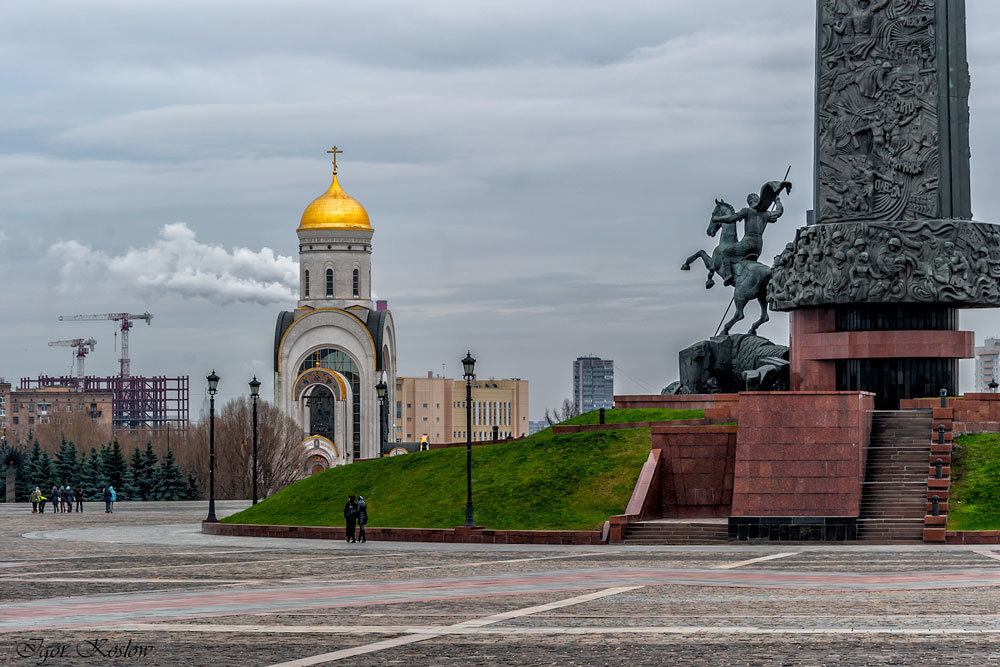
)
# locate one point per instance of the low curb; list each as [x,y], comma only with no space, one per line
[459,535]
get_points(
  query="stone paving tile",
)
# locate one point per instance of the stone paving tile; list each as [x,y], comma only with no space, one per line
[20,591]
[735,651]
[197,560]
[192,648]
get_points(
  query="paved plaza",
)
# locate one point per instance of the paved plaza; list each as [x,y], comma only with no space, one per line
[144,586]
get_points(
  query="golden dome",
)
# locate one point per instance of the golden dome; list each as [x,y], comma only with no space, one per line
[335,209]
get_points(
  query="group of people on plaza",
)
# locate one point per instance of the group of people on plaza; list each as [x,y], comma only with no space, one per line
[356,514]
[64,497]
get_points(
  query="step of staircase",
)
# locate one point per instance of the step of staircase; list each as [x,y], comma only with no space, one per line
[894,493]
[676,532]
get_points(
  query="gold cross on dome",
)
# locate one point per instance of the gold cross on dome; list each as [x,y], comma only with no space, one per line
[334,150]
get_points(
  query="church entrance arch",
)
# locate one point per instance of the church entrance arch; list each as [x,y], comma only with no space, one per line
[320,404]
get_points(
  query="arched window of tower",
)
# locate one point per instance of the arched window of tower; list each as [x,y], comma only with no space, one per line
[305,284]
[357,283]
[329,282]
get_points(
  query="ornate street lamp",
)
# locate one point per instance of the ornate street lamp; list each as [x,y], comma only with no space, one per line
[469,368]
[213,386]
[382,389]
[254,391]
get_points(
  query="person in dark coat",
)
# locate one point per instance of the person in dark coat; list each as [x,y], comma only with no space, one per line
[107,500]
[350,516]
[362,518]
[68,497]
[54,497]
[79,499]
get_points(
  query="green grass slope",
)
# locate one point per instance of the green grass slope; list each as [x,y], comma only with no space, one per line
[564,482]
[974,498]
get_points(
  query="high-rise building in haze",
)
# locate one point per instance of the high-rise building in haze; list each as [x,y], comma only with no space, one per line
[987,357]
[593,384]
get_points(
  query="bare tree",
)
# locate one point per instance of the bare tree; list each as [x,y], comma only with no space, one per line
[566,411]
[279,459]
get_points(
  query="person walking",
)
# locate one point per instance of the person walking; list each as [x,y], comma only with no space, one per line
[68,495]
[362,519]
[114,498]
[79,498]
[41,502]
[107,499]
[54,497]
[350,516]
[35,495]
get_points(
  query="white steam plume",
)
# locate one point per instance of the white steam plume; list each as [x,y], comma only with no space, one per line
[176,263]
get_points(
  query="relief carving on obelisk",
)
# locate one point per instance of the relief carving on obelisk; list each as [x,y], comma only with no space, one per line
[877,111]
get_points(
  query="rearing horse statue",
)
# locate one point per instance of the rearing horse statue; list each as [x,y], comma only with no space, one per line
[735,260]
[728,239]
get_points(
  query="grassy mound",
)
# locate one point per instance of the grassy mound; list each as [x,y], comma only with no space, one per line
[627,416]
[564,482]
[974,498]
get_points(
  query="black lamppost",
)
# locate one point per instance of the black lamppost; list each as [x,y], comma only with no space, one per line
[469,368]
[254,391]
[213,385]
[383,414]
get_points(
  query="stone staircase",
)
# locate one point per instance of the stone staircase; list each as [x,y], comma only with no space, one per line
[894,494]
[677,531]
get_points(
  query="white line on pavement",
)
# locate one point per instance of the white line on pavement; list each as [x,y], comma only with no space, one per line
[989,554]
[474,624]
[730,566]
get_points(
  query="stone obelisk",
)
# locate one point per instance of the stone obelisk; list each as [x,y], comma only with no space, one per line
[875,284]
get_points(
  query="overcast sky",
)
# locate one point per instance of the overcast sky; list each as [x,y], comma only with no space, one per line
[535,173]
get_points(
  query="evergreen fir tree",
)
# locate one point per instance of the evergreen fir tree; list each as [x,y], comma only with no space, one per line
[193,493]
[170,484]
[88,472]
[22,483]
[114,469]
[36,470]
[46,472]
[66,464]
[152,463]
[138,474]
[93,486]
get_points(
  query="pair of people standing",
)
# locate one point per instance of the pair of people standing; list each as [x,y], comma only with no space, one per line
[355,513]
[109,499]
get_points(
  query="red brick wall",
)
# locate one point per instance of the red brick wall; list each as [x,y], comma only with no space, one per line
[806,372]
[801,453]
[974,413]
[696,469]
[678,402]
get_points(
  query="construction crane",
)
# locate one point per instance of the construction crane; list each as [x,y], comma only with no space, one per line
[80,346]
[125,319]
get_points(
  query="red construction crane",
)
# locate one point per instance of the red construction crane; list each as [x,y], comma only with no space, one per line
[126,320]
[80,346]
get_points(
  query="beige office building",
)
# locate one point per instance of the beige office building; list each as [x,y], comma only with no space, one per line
[435,407]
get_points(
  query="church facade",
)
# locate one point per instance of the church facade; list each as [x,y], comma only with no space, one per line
[332,351]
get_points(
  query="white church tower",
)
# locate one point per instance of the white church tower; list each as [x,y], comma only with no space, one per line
[335,351]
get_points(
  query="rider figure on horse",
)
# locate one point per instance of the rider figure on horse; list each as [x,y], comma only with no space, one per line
[756,217]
